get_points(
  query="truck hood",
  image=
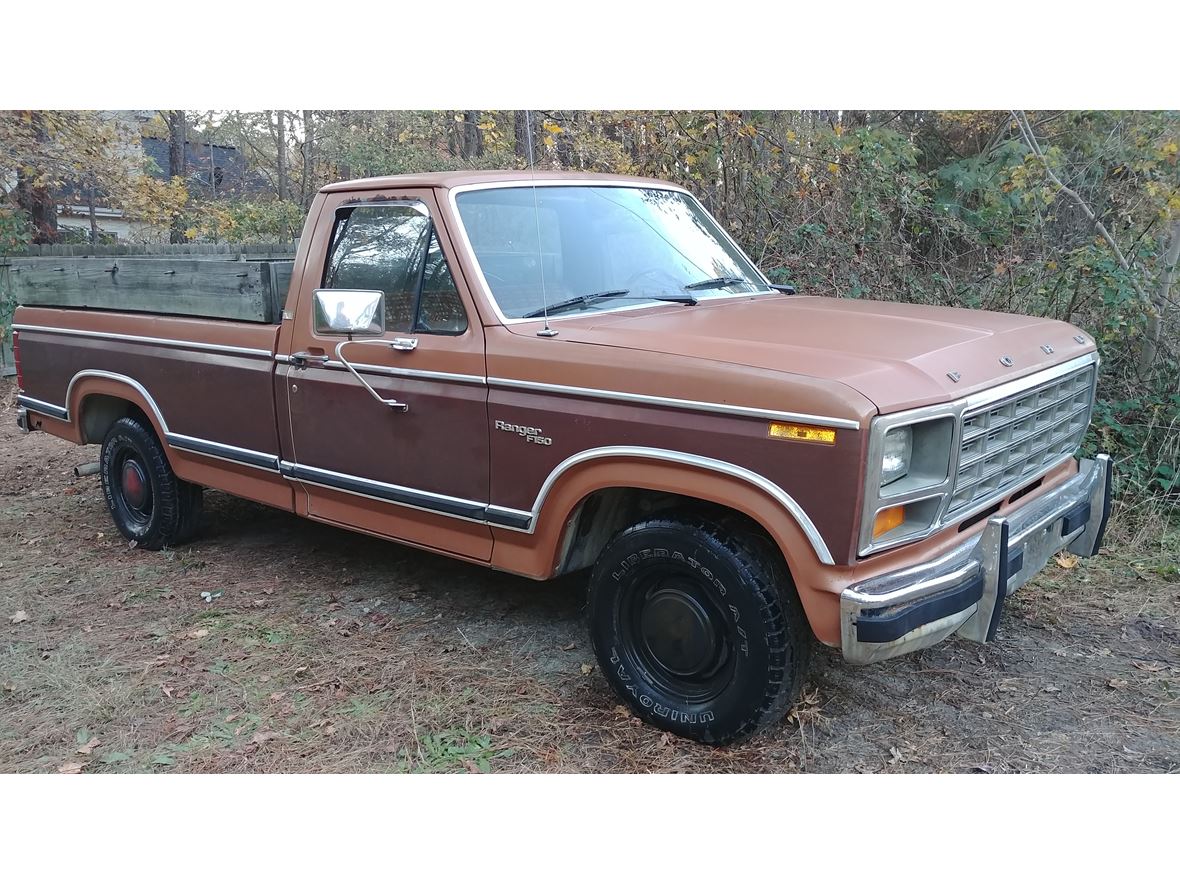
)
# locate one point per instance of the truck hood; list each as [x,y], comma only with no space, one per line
[897,355]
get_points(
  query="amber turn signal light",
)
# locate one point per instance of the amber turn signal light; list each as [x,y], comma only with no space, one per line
[889,518]
[802,432]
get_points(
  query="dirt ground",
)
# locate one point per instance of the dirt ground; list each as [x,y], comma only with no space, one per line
[323,650]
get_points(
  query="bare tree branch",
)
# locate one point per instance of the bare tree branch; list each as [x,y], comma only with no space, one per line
[1150,305]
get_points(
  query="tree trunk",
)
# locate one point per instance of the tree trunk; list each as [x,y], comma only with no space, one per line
[93,217]
[472,136]
[41,207]
[1155,318]
[520,129]
[176,165]
[281,153]
[308,158]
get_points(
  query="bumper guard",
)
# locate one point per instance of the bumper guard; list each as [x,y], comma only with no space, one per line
[963,591]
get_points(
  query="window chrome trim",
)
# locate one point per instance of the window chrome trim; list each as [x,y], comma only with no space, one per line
[955,410]
[672,403]
[454,192]
[143,339]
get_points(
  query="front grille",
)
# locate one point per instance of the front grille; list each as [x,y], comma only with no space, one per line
[1010,442]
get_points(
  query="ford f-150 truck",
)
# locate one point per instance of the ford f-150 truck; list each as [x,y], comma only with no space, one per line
[545,373]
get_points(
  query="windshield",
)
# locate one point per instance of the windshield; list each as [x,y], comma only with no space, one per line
[539,246]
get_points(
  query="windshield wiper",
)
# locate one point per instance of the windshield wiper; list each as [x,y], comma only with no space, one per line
[716,283]
[584,300]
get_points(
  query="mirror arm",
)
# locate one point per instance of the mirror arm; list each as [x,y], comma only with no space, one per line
[392,403]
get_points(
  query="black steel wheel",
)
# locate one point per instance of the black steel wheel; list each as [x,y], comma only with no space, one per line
[697,626]
[148,503]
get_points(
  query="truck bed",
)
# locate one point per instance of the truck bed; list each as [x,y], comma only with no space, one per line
[248,290]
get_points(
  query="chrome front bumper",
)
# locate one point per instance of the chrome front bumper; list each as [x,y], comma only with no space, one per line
[963,591]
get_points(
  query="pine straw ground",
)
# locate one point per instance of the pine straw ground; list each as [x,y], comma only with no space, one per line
[331,651]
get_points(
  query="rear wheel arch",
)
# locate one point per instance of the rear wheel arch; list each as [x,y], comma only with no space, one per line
[99,399]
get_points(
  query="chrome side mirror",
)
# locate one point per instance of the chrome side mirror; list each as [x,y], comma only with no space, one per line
[349,312]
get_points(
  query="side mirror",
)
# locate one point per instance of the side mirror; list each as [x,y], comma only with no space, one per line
[349,312]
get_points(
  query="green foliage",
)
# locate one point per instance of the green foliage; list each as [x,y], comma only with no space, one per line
[244,221]
[455,749]
[14,229]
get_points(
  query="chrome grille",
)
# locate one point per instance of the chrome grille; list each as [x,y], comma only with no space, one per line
[1010,442]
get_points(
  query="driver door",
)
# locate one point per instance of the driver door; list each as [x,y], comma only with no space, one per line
[420,474]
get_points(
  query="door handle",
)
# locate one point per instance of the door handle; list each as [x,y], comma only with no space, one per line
[302,358]
[403,343]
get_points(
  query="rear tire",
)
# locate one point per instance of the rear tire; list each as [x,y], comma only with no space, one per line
[698,627]
[148,503]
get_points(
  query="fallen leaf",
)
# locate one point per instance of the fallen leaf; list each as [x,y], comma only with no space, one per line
[198,634]
[87,748]
[18,617]
[569,647]
[230,718]
[587,669]
[896,756]
[278,695]
[71,768]
[1051,688]
[331,729]
[1118,683]
[261,737]
[1066,560]
[166,689]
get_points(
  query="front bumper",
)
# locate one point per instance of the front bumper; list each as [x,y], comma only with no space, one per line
[963,591]
[22,418]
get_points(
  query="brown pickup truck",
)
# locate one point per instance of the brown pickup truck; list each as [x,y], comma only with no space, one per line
[547,373]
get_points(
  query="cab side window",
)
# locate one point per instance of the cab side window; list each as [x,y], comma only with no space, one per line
[393,248]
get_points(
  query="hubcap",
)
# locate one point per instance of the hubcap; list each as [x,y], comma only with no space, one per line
[678,632]
[134,484]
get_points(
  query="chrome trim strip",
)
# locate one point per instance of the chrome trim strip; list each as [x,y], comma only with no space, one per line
[669,402]
[141,339]
[526,520]
[1008,388]
[114,376]
[424,374]
[44,408]
[761,482]
[454,192]
[224,452]
[206,447]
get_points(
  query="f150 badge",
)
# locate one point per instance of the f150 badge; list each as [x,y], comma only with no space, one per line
[530,434]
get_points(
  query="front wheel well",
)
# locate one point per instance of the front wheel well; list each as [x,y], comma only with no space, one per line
[604,513]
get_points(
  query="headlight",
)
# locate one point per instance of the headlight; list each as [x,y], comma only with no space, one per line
[896,452]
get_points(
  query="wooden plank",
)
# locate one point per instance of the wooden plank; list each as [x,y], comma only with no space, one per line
[186,286]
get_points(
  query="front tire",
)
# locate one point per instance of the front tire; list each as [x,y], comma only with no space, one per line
[149,504]
[698,627]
